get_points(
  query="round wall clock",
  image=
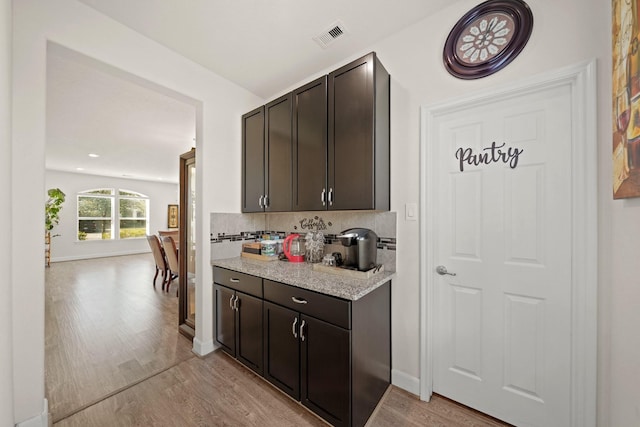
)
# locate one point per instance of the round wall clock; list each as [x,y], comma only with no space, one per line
[487,38]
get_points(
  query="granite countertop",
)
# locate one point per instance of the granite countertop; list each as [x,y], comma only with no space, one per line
[303,276]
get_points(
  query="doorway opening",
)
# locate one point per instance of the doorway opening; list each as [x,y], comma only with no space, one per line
[108,128]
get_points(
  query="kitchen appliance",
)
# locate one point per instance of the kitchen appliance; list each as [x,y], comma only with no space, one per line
[293,248]
[361,248]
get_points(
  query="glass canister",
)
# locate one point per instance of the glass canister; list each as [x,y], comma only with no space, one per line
[314,246]
[269,247]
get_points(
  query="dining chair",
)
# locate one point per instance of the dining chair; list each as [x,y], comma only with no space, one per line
[171,253]
[158,256]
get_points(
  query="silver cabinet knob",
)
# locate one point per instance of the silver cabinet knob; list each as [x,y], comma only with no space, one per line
[442,270]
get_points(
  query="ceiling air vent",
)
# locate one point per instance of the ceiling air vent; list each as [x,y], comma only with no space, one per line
[330,35]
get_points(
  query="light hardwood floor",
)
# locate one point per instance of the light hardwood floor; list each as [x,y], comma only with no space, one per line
[114,358]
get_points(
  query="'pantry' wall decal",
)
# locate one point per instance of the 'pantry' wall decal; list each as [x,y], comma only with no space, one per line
[492,154]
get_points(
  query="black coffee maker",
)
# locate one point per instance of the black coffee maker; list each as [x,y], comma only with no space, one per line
[361,248]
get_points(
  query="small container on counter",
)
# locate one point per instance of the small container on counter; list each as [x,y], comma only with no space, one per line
[269,247]
[329,260]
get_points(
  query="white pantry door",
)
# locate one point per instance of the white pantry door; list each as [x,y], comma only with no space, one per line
[502,323]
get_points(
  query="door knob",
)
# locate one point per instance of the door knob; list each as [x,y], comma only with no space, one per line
[442,270]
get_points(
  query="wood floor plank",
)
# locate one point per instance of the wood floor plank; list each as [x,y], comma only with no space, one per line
[114,357]
[106,327]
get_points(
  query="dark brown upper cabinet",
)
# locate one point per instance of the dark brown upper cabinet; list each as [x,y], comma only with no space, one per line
[278,147]
[310,146]
[325,145]
[358,137]
[267,156]
[253,161]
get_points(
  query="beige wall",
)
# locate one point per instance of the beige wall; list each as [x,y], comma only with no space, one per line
[6,363]
[220,105]
[566,33]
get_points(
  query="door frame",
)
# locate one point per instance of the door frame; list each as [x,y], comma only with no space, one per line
[581,80]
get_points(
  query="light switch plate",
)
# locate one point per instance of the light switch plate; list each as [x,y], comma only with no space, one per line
[411,212]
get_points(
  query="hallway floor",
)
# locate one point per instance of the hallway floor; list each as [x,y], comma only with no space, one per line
[113,357]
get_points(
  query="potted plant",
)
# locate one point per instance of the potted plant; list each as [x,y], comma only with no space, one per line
[52,209]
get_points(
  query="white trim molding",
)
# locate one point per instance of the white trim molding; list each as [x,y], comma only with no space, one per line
[405,381]
[202,348]
[581,80]
[41,420]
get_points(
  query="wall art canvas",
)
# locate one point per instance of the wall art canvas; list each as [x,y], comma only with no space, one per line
[626,98]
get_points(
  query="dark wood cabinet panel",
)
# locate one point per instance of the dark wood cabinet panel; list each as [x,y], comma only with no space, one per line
[310,146]
[332,355]
[326,370]
[187,245]
[278,155]
[358,139]
[331,309]
[239,326]
[282,348]
[249,331]
[225,319]
[242,282]
[326,147]
[253,171]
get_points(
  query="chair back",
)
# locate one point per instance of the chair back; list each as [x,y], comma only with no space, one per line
[171,253]
[157,251]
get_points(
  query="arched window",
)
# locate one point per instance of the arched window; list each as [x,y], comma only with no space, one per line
[98,218]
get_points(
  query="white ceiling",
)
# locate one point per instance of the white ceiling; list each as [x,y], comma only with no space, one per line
[138,132]
[263,46]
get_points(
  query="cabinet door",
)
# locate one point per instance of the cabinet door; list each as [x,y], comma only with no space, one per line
[278,156]
[282,348]
[351,135]
[253,160]
[310,146]
[326,370]
[225,319]
[249,331]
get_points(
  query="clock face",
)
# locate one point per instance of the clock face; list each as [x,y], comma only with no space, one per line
[484,38]
[487,38]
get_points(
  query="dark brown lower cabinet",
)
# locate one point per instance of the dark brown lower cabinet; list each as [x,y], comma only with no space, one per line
[326,370]
[309,360]
[239,326]
[282,348]
[332,355]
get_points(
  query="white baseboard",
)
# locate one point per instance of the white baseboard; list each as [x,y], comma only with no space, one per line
[92,256]
[41,420]
[405,381]
[202,348]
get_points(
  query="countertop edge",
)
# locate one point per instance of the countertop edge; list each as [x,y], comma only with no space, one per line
[302,275]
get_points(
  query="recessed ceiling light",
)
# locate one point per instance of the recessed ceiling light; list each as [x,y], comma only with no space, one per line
[79,169]
[160,178]
[94,155]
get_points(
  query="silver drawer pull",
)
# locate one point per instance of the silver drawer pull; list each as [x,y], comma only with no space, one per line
[234,280]
[299,300]
[293,328]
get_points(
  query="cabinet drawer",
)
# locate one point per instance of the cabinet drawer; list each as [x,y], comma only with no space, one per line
[324,307]
[251,285]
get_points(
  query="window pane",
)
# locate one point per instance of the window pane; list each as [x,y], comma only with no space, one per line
[130,193]
[133,208]
[97,207]
[133,228]
[94,229]
[107,191]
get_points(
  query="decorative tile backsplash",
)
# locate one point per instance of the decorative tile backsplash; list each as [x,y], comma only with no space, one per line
[230,230]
